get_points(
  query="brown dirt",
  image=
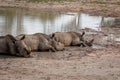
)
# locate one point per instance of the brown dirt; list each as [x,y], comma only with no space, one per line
[74,63]
[94,7]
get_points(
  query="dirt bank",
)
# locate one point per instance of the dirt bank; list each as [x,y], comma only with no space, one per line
[102,7]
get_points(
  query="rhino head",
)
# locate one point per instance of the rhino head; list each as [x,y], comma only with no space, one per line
[57,45]
[22,48]
[86,43]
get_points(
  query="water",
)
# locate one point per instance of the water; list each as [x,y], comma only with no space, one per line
[19,21]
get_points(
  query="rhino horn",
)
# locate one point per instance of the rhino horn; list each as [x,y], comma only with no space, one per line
[23,37]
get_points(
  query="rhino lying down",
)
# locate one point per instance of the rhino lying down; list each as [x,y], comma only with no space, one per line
[9,45]
[71,39]
[41,42]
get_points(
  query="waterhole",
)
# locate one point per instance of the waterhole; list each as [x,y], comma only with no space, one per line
[17,21]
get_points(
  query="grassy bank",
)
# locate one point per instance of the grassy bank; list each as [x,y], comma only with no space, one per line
[97,7]
[48,0]
[114,2]
[107,2]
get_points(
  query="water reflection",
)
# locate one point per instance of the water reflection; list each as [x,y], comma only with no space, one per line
[19,21]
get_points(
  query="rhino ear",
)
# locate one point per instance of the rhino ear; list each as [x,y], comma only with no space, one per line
[52,35]
[83,34]
[23,37]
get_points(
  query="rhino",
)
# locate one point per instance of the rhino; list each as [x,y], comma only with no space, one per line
[71,38]
[41,42]
[57,45]
[10,45]
[86,43]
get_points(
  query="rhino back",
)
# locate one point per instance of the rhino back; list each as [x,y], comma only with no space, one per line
[75,38]
[44,44]
[63,37]
[32,42]
[36,41]
[57,45]
[43,35]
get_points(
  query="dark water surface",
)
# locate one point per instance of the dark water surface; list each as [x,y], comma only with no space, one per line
[19,21]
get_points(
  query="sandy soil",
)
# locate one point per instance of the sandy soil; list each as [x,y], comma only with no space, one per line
[100,62]
[74,63]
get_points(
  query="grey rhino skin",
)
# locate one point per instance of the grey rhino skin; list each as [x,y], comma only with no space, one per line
[9,45]
[41,42]
[57,45]
[68,38]
[71,39]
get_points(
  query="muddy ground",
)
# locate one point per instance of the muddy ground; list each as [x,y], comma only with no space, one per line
[100,62]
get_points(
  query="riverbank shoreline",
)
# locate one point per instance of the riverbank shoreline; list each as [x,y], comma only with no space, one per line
[107,10]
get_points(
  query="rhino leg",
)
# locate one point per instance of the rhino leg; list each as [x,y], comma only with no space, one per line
[83,44]
[53,49]
[45,47]
[75,43]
